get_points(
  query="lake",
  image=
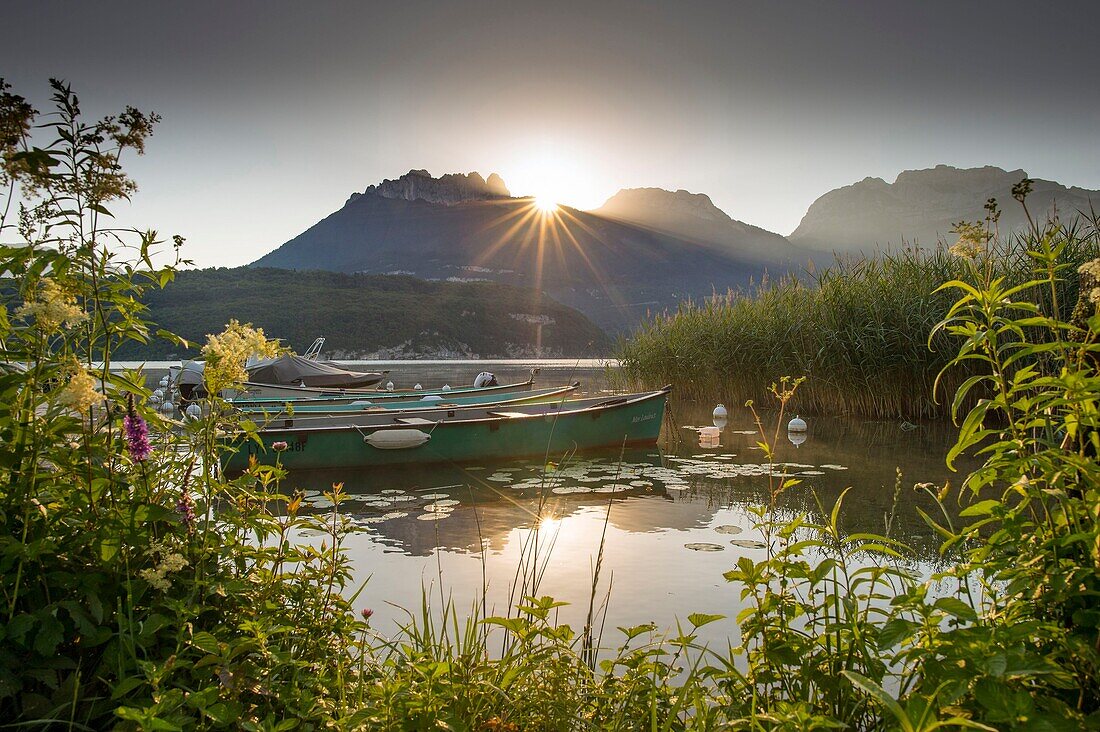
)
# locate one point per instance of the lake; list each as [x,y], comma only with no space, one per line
[667,516]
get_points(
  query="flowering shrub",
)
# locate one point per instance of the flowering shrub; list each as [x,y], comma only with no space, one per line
[139,588]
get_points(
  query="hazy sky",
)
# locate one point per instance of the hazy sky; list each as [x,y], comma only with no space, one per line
[275,111]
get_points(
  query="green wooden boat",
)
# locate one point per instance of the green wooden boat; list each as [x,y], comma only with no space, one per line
[260,394]
[459,435]
[430,401]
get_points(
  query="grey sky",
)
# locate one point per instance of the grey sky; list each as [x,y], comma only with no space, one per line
[275,111]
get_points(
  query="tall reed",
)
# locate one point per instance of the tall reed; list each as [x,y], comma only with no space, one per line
[859,331]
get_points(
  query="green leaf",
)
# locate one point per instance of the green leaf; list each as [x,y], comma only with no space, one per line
[879,694]
[894,631]
[50,634]
[957,608]
[206,642]
[698,620]
[109,547]
[981,508]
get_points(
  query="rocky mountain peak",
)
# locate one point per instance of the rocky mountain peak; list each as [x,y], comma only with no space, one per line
[921,207]
[630,202]
[448,189]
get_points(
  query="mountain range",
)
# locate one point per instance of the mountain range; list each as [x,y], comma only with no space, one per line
[646,249]
[614,267]
[921,207]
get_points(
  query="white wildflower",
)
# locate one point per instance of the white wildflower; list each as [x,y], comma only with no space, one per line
[1091,268]
[51,307]
[79,394]
[227,353]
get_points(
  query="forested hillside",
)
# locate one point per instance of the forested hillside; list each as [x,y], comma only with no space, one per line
[369,315]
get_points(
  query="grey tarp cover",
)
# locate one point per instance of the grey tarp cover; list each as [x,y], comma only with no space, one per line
[290,370]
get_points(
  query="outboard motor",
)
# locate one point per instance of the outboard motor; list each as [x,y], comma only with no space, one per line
[485,379]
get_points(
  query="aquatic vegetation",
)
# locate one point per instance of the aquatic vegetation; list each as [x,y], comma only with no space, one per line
[859,330]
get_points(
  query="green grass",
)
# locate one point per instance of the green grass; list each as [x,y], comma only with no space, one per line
[859,331]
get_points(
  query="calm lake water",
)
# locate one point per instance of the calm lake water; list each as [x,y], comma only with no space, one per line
[668,515]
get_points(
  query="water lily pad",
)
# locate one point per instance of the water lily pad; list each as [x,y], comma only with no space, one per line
[392,492]
[435,496]
[704,547]
[562,490]
[748,543]
[437,508]
[393,515]
[728,529]
[447,502]
[434,516]
[835,467]
[368,520]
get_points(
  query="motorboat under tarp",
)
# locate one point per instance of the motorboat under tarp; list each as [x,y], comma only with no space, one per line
[290,369]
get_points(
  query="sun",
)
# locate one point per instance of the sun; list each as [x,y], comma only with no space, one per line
[552,173]
[545,204]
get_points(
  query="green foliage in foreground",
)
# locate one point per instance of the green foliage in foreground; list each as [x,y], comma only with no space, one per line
[142,590]
[859,331]
[363,313]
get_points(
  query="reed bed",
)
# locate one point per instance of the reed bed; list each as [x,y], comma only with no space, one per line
[858,330]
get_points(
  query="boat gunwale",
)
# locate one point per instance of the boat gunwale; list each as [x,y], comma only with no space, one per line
[548,394]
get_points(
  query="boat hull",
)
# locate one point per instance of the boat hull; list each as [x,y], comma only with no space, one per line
[633,421]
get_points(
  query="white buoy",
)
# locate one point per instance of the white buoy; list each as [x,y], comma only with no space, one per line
[168,409]
[389,386]
[796,438]
[418,387]
[720,412]
[796,425]
[446,387]
[158,394]
[163,382]
[194,412]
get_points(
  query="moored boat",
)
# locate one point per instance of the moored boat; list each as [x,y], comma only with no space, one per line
[459,435]
[251,393]
[431,401]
